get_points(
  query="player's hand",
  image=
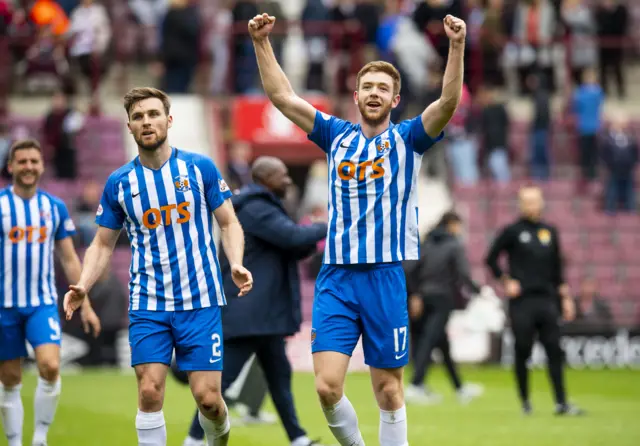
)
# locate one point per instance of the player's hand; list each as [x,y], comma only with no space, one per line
[90,321]
[512,288]
[242,278]
[73,300]
[455,28]
[568,309]
[261,25]
[416,307]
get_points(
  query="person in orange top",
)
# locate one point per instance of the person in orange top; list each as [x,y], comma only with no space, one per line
[49,13]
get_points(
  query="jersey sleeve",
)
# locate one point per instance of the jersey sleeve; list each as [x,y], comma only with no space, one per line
[414,135]
[325,129]
[110,214]
[215,188]
[66,227]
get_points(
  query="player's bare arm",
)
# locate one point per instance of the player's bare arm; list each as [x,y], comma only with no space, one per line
[274,81]
[96,260]
[72,267]
[437,115]
[232,238]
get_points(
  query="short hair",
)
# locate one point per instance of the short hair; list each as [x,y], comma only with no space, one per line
[23,144]
[138,94]
[382,67]
[449,217]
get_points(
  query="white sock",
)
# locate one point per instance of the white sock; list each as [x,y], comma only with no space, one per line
[151,428]
[217,432]
[393,427]
[12,414]
[343,422]
[45,404]
[190,441]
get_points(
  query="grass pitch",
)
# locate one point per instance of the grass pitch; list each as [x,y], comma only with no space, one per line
[98,408]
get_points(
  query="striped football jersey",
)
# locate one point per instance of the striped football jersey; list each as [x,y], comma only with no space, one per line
[373,208]
[167,214]
[28,234]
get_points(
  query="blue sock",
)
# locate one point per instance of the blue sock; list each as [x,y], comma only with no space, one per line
[195,431]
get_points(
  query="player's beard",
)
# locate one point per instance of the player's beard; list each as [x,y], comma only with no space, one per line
[17,179]
[376,118]
[151,146]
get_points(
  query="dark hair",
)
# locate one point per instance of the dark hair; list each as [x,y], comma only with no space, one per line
[23,144]
[136,95]
[449,217]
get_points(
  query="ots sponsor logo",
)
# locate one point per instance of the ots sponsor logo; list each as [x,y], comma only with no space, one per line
[32,234]
[361,171]
[166,215]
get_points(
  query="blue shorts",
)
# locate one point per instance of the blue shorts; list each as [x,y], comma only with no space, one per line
[367,300]
[38,325]
[196,336]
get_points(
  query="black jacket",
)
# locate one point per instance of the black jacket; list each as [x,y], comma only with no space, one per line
[533,251]
[273,245]
[443,268]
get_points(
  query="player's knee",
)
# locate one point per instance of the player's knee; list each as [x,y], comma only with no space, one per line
[210,401]
[151,394]
[389,393]
[329,390]
[49,369]
[10,376]
[523,350]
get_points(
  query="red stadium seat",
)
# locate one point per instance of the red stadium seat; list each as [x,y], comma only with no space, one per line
[598,239]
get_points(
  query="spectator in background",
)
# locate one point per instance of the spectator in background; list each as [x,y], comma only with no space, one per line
[61,126]
[462,149]
[244,60]
[5,144]
[90,34]
[620,156]
[85,212]
[21,31]
[315,12]
[494,34]
[587,103]
[540,127]
[46,62]
[612,18]
[180,46]
[535,28]
[428,17]
[494,130]
[238,168]
[591,310]
[582,30]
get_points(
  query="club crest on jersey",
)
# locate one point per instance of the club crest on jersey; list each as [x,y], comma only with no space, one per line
[45,215]
[182,183]
[223,185]
[383,147]
[544,235]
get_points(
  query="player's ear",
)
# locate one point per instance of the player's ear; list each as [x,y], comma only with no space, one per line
[355,97]
[169,121]
[396,101]
[129,127]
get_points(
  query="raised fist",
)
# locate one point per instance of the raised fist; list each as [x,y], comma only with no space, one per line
[261,25]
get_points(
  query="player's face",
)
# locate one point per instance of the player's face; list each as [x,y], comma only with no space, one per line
[26,167]
[375,97]
[531,202]
[149,123]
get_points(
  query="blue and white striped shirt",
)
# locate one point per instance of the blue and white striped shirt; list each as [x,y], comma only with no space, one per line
[28,234]
[168,216]
[373,208]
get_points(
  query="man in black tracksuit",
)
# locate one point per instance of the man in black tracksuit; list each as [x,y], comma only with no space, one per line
[259,322]
[533,283]
[433,282]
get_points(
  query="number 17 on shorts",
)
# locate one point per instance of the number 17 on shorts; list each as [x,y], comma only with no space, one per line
[400,342]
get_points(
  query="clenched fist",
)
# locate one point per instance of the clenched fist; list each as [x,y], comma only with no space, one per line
[260,26]
[455,28]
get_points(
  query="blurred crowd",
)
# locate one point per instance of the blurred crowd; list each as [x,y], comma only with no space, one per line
[535,49]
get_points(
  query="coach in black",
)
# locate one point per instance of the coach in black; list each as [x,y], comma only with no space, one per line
[533,284]
[260,321]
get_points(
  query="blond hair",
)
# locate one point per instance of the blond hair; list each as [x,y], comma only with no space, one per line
[380,66]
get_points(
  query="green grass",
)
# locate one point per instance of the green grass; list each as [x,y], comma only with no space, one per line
[98,409]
